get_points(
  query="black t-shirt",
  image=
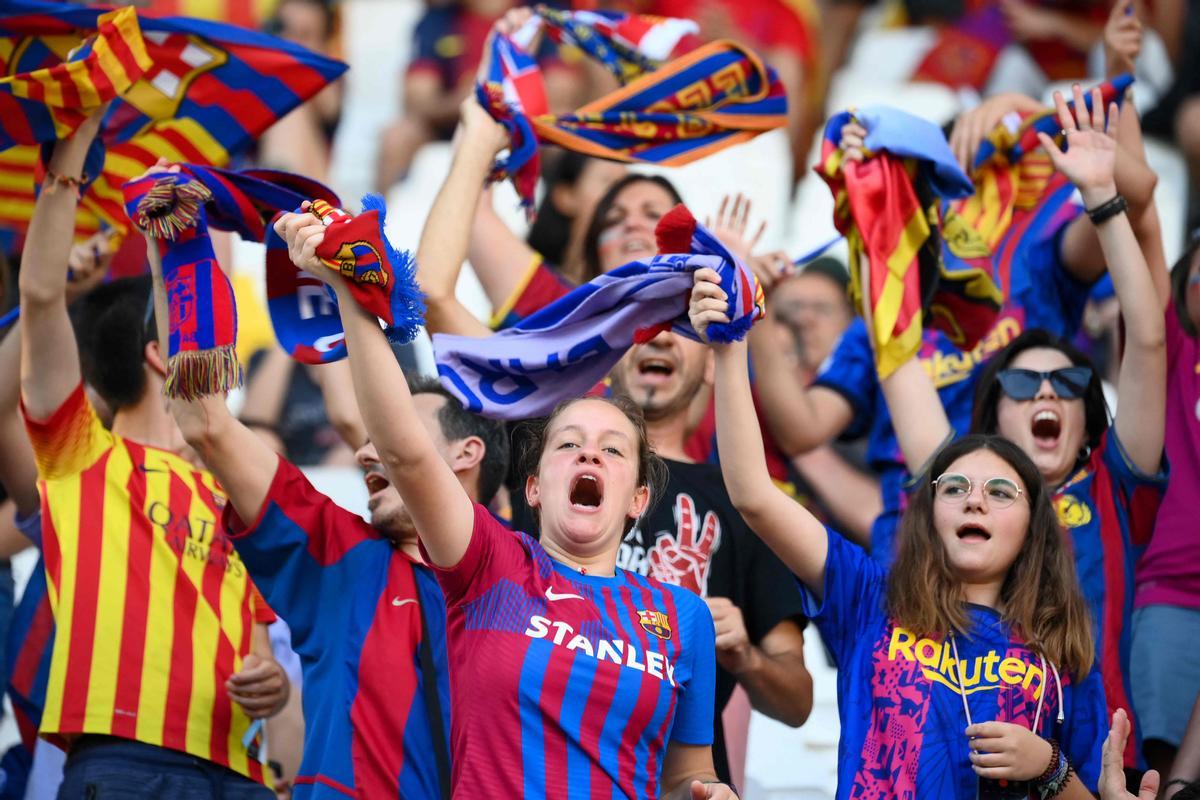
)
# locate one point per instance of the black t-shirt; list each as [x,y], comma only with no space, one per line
[694,537]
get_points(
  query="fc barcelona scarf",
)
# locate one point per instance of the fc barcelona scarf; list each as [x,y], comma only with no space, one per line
[381,278]
[716,96]
[176,210]
[563,350]
[888,208]
[169,209]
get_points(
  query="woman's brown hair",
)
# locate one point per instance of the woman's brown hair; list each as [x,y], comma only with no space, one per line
[1040,598]
[599,222]
[651,470]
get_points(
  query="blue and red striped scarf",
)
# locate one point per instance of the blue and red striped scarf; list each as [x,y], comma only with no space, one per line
[565,349]
[672,113]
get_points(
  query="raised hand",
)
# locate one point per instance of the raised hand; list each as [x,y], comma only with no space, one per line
[973,126]
[304,233]
[853,142]
[708,303]
[1091,146]
[730,227]
[1122,39]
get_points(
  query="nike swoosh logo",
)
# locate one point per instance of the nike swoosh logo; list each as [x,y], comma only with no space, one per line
[553,595]
[147,469]
[396,601]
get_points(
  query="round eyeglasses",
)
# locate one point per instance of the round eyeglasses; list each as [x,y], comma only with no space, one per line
[954,487]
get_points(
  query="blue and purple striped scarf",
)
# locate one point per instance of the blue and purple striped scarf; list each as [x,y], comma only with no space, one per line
[562,351]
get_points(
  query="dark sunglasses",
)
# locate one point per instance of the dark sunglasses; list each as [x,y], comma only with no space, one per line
[1069,383]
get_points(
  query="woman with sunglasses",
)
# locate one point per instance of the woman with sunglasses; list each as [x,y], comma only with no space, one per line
[965,670]
[1044,395]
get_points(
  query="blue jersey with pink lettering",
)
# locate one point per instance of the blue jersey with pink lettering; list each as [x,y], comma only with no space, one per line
[567,685]
[1040,293]
[901,695]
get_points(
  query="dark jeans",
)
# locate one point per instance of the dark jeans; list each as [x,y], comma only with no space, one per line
[102,767]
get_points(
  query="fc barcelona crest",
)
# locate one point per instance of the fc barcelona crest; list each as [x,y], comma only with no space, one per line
[655,623]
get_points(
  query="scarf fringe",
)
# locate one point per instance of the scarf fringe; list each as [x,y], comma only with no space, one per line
[171,207]
[405,299]
[200,373]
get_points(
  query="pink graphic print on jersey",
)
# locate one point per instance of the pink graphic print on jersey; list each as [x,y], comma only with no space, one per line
[892,748]
[684,559]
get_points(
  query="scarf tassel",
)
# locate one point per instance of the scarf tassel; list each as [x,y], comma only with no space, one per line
[193,374]
[406,300]
[170,207]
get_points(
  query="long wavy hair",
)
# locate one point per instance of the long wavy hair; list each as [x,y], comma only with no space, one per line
[1040,598]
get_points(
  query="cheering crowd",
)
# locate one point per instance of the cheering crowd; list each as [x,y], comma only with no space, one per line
[964,455]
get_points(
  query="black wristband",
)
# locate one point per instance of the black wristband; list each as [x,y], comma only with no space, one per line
[1106,211]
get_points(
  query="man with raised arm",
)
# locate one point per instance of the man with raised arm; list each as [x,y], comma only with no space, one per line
[161,656]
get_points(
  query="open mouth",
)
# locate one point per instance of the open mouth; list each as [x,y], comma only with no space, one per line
[1046,428]
[637,246]
[376,482]
[586,492]
[973,533]
[655,369]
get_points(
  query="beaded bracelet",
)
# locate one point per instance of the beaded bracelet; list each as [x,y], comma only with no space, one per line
[66,180]
[1057,775]
[1107,210]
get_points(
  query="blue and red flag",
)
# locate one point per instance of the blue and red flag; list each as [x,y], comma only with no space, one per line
[190,90]
[673,113]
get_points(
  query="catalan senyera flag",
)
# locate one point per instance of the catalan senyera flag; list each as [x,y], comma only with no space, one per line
[190,90]
[1018,193]
[672,113]
[888,207]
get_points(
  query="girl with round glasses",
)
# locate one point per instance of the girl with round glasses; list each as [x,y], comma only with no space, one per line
[965,670]
[1041,393]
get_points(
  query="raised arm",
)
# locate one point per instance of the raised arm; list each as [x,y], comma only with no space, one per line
[46,334]
[786,526]
[800,417]
[243,463]
[446,235]
[440,508]
[1142,385]
[851,495]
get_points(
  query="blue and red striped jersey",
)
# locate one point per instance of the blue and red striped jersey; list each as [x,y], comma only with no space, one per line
[1109,507]
[354,604]
[567,685]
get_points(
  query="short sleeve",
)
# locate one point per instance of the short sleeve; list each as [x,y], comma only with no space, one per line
[850,371]
[68,441]
[1085,728]
[852,599]
[258,607]
[429,30]
[1139,493]
[539,287]
[1051,296]
[296,549]
[30,527]
[694,714]
[770,591]
[494,552]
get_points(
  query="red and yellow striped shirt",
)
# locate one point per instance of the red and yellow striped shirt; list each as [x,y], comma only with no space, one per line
[153,608]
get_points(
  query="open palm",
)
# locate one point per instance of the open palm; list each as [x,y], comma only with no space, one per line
[1090,146]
